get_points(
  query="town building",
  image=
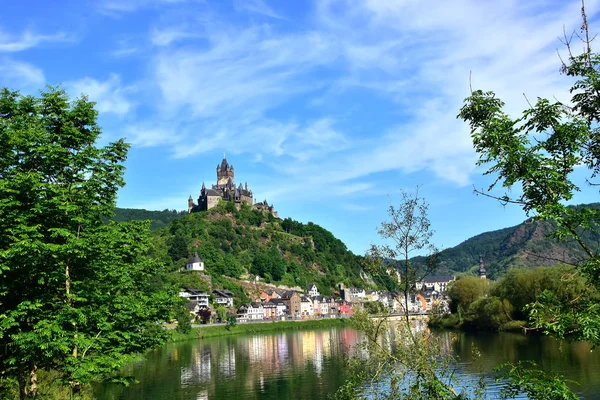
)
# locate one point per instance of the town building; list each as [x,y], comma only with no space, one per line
[268,295]
[312,290]
[195,295]
[306,306]
[251,312]
[223,297]
[293,302]
[439,283]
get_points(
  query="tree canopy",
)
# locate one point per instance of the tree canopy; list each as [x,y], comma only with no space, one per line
[76,295]
[538,152]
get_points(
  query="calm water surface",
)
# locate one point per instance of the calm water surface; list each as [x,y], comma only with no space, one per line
[309,364]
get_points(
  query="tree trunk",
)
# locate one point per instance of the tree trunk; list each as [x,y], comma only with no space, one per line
[33,381]
[22,386]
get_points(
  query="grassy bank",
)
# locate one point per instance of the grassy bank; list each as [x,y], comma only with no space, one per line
[213,331]
[453,321]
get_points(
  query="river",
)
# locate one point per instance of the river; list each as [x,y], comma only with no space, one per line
[308,364]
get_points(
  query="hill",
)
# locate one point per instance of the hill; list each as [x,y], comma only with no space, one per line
[524,245]
[243,243]
[159,219]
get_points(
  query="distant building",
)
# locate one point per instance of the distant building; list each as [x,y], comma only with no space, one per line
[312,290]
[481,268]
[251,312]
[223,297]
[194,263]
[439,283]
[293,302]
[226,190]
[195,295]
[267,295]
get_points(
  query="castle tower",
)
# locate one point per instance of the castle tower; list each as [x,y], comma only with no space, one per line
[190,204]
[224,172]
[481,268]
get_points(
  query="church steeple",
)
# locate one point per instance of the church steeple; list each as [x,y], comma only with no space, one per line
[481,268]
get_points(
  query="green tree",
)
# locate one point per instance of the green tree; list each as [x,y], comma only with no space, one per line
[76,295]
[184,319]
[464,291]
[408,231]
[178,249]
[538,152]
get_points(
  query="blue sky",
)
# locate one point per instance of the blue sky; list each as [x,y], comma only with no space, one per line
[326,108]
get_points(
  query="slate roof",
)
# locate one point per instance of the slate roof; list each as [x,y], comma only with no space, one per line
[222,293]
[438,278]
[194,259]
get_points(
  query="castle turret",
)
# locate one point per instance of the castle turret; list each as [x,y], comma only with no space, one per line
[481,268]
[190,204]
[224,172]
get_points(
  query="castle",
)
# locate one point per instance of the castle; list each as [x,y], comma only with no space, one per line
[226,190]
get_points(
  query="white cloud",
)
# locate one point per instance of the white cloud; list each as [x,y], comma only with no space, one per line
[110,96]
[240,69]
[165,37]
[236,88]
[149,136]
[116,7]
[27,40]
[20,75]
[256,6]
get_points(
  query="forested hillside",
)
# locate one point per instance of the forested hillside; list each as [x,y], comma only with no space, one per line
[524,245]
[235,243]
[159,219]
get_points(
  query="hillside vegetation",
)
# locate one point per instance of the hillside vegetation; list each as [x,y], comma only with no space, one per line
[525,245]
[159,219]
[245,243]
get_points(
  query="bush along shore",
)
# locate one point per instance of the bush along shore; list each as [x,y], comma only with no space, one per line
[205,332]
[509,303]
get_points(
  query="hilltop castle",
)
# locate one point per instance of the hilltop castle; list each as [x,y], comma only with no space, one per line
[226,190]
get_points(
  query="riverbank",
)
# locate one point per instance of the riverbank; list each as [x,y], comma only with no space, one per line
[454,322]
[221,330]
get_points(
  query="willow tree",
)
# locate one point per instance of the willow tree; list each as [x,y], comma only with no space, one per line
[77,296]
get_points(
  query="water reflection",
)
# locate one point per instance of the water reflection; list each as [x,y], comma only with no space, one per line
[310,364]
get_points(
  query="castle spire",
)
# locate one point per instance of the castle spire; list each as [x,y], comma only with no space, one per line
[481,268]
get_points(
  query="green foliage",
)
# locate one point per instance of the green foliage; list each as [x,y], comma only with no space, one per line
[232,242]
[402,363]
[525,377]
[487,313]
[464,291]
[525,245]
[178,249]
[221,312]
[477,305]
[538,152]
[407,231]
[231,322]
[184,319]
[158,219]
[77,296]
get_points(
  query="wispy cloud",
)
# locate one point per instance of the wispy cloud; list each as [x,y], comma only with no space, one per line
[165,37]
[10,43]
[110,95]
[256,6]
[27,75]
[236,86]
[116,7]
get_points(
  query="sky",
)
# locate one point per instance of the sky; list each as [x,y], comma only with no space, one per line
[327,108]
